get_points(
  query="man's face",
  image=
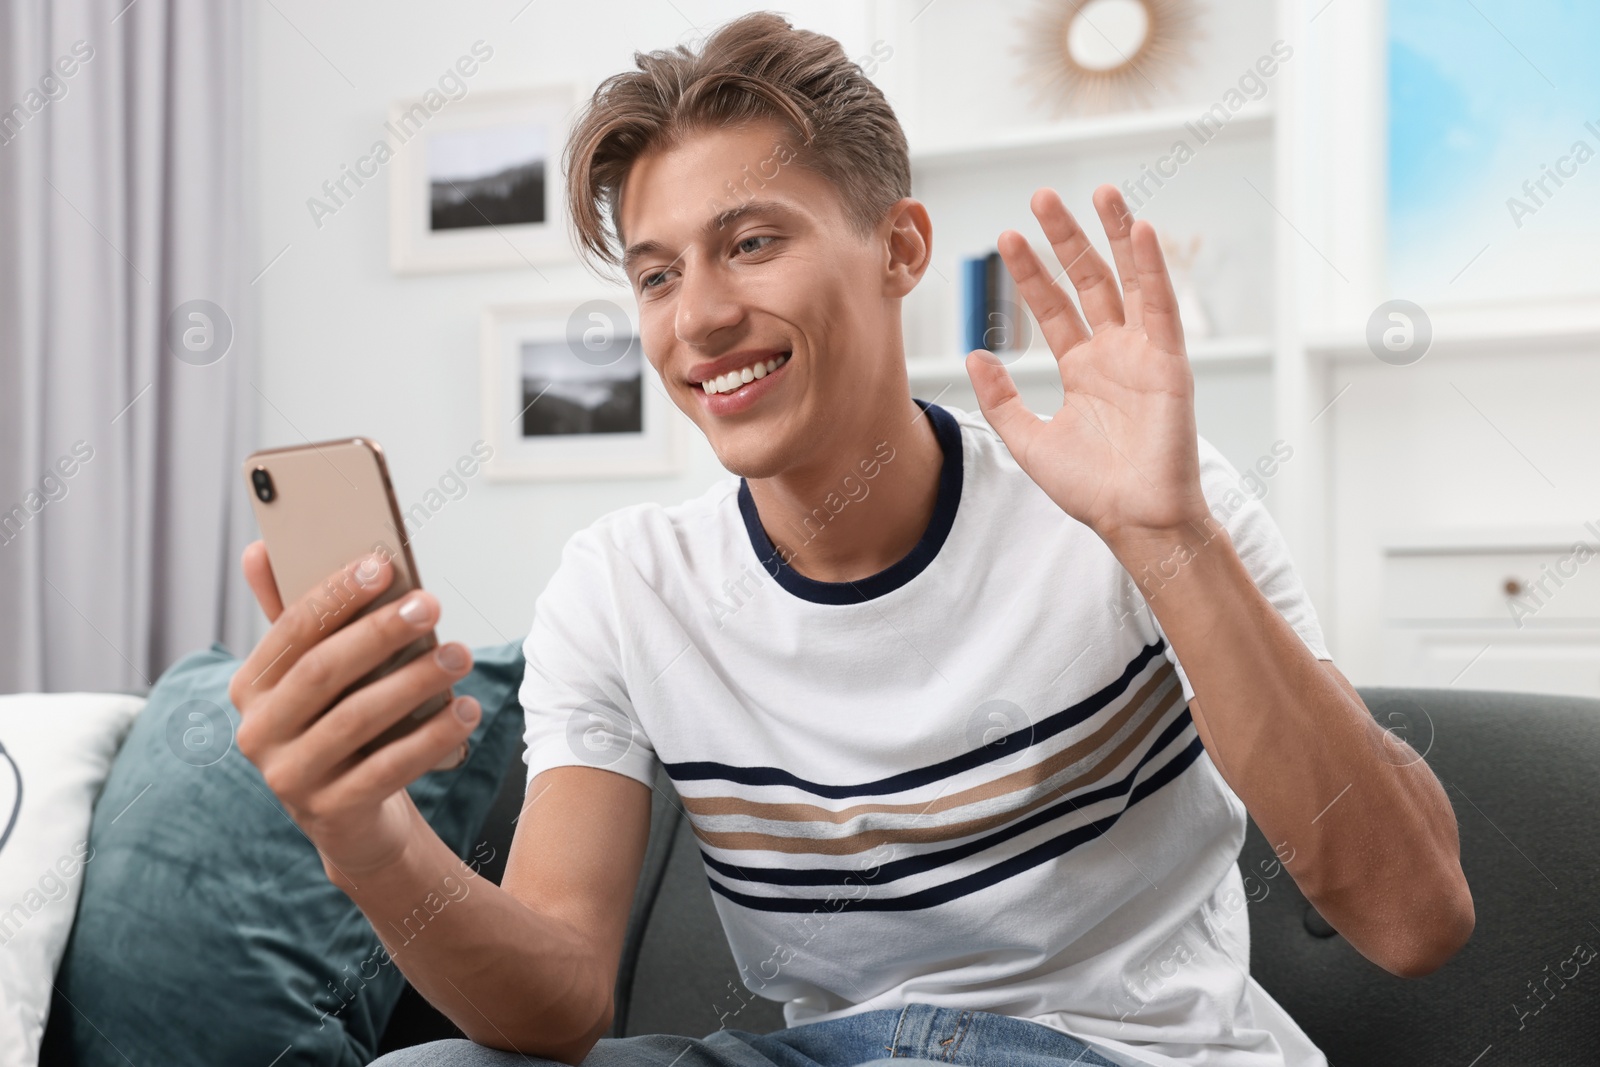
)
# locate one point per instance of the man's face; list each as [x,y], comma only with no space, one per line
[783,293]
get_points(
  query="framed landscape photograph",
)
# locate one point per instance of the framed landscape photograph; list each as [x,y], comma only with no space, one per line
[567,393]
[477,184]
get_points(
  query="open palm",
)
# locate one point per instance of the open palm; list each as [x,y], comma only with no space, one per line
[1120,455]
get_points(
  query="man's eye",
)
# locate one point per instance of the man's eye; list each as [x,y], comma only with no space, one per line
[758,237]
[644,280]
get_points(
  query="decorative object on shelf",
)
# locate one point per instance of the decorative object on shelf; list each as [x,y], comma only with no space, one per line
[1091,56]
[567,393]
[1180,264]
[992,313]
[477,180]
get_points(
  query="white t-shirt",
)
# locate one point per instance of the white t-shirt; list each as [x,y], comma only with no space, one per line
[969,780]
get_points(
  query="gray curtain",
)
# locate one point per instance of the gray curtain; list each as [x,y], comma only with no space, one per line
[125,362]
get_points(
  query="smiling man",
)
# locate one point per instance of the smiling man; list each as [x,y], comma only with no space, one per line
[966,709]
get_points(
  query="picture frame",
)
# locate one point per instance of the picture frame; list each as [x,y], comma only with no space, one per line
[477,185]
[568,393]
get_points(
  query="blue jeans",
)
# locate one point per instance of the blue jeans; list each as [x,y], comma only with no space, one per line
[917,1033]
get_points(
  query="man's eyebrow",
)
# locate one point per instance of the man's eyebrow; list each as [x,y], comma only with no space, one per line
[749,209]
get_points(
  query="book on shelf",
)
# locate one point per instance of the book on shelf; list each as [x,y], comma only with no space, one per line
[992,316]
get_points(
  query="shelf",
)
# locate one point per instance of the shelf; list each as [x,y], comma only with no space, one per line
[1553,538]
[1455,339]
[1044,142]
[1038,365]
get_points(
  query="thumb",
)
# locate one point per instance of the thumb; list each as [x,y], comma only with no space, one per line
[997,395]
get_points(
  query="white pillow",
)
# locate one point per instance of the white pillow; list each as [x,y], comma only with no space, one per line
[58,748]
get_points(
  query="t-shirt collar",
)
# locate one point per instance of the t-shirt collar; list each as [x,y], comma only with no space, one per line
[900,572]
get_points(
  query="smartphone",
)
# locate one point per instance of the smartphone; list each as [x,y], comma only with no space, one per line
[321,506]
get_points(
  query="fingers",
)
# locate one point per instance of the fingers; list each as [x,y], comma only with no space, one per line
[1097,287]
[330,666]
[1058,317]
[401,762]
[1118,223]
[333,738]
[305,622]
[1160,303]
[258,572]
[997,398]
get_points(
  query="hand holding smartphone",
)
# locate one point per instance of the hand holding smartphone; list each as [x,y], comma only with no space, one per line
[320,507]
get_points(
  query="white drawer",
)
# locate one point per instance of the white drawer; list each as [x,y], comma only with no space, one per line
[1517,588]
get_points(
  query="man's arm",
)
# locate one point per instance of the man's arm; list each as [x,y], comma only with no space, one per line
[1356,816]
[530,967]
[1374,844]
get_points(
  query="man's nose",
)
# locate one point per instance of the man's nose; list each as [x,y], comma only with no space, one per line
[707,302]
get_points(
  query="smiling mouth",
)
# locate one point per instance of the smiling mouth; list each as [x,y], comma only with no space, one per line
[735,380]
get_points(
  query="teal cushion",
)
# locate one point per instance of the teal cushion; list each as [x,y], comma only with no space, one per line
[207,932]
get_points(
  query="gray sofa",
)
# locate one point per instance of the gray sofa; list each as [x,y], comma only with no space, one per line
[1523,773]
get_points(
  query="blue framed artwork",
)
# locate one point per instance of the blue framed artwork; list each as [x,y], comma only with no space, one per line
[1493,149]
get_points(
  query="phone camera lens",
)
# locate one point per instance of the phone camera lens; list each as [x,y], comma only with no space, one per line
[263,483]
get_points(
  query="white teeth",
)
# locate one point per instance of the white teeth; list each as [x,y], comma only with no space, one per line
[727,383]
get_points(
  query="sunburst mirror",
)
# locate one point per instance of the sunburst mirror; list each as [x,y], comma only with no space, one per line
[1086,56]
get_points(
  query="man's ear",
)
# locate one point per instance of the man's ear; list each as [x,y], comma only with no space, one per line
[908,244]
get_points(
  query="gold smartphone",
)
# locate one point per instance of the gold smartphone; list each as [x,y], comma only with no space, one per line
[320,507]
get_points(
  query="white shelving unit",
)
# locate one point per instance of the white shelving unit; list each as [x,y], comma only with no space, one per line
[1493,425]
[1411,474]
[1046,142]
[1037,365]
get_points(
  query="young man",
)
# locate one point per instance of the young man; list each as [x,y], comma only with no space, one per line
[966,710]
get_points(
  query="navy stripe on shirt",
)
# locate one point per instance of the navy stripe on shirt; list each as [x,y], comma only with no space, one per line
[1024,737]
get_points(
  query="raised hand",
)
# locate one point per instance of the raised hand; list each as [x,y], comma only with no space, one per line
[1120,455]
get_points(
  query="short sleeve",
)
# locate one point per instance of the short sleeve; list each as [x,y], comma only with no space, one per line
[1236,502]
[574,694]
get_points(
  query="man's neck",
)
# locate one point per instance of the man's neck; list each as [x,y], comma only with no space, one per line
[861,510]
